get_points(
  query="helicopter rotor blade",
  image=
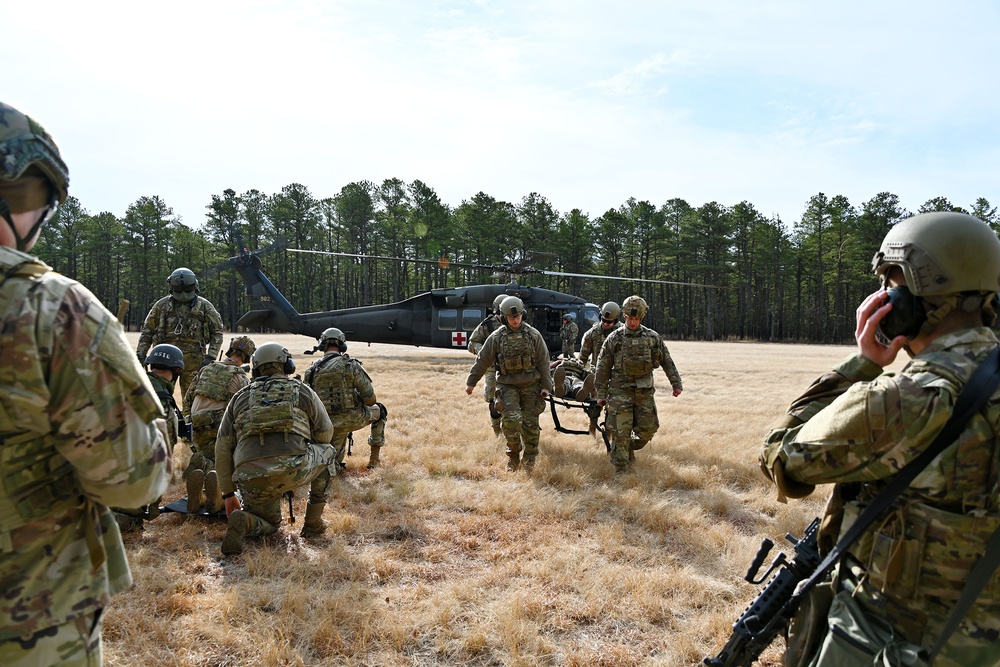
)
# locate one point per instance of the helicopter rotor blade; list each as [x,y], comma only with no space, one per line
[635,280]
[443,262]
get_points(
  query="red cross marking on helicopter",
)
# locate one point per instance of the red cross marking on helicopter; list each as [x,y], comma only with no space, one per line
[458,339]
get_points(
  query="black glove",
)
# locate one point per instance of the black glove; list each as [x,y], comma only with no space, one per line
[384,413]
[207,360]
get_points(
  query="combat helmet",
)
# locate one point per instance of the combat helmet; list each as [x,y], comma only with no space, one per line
[569,317]
[497,301]
[610,311]
[333,338]
[942,253]
[242,344]
[635,306]
[165,355]
[183,284]
[32,173]
[511,306]
[272,353]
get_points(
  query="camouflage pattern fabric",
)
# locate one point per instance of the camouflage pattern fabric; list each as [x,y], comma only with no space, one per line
[195,327]
[859,425]
[76,413]
[476,341]
[232,453]
[522,404]
[568,333]
[334,377]
[76,643]
[520,380]
[593,340]
[205,400]
[262,482]
[625,379]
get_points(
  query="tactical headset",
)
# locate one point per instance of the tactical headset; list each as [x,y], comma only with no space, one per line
[906,316]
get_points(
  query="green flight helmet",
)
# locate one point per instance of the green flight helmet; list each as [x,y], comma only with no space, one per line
[32,172]
[167,356]
[635,306]
[333,337]
[511,306]
[942,253]
[611,311]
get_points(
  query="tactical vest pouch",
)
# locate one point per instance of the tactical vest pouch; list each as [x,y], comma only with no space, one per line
[214,381]
[857,639]
[207,420]
[334,385]
[637,356]
[921,550]
[516,353]
[273,408]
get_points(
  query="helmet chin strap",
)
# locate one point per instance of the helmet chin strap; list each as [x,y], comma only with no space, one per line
[22,243]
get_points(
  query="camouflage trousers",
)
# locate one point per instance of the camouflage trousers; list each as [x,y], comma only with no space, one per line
[76,643]
[262,482]
[631,412]
[489,395]
[521,406]
[345,423]
[203,451]
[568,349]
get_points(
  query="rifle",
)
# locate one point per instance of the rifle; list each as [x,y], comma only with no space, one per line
[774,606]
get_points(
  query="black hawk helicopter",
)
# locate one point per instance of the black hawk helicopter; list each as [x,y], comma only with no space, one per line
[443,317]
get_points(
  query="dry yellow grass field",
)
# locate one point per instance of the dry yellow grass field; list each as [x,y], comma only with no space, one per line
[441,557]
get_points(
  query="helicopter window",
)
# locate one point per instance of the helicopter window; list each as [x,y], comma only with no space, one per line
[591,316]
[471,317]
[448,319]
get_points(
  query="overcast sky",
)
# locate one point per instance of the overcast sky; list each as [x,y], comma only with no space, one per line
[587,103]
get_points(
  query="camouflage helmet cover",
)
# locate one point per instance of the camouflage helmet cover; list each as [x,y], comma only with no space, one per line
[611,311]
[166,355]
[25,146]
[942,253]
[512,306]
[635,306]
[243,345]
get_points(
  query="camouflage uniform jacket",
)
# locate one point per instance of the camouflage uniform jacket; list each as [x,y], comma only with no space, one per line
[568,332]
[593,339]
[628,358]
[231,451]
[211,389]
[858,424]
[189,326]
[481,333]
[499,350]
[342,385]
[76,435]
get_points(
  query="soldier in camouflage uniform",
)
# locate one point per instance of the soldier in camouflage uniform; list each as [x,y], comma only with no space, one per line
[164,365]
[346,390]
[595,336]
[519,354]
[476,340]
[205,400]
[184,319]
[568,333]
[274,437]
[857,425]
[76,428]
[625,368]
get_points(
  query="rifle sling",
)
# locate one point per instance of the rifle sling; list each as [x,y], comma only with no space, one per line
[971,399]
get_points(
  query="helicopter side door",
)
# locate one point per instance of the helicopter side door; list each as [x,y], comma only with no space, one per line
[453,326]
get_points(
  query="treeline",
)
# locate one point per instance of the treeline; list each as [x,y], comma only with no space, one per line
[731,272]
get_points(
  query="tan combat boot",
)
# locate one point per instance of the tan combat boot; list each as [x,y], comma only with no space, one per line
[213,497]
[513,462]
[314,526]
[529,464]
[373,460]
[239,526]
[195,498]
[586,392]
[559,382]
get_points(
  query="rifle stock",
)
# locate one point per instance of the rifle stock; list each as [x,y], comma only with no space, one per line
[772,609]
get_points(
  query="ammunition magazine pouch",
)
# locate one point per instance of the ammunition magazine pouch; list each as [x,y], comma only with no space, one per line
[207,420]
